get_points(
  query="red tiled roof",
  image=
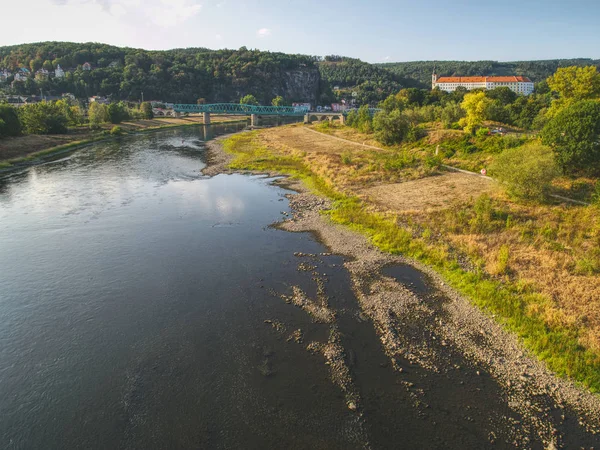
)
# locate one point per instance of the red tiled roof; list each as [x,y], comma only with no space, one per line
[511,79]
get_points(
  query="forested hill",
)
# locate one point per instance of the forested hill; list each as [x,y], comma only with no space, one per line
[186,75]
[536,70]
[179,75]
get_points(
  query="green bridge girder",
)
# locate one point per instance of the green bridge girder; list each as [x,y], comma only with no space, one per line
[246,110]
[242,110]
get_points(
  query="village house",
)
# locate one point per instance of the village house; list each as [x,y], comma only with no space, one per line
[518,84]
[42,74]
[59,73]
[22,74]
[4,75]
[86,66]
[98,99]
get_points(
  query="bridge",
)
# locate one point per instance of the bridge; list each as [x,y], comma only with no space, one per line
[254,111]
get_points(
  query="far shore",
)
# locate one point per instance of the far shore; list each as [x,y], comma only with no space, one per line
[22,151]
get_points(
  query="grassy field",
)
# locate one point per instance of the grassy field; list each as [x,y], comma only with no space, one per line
[533,266]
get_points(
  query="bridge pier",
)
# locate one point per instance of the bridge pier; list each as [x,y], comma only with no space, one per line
[254,120]
[307,118]
[206,118]
[342,119]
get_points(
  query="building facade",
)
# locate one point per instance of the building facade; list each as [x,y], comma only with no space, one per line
[520,85]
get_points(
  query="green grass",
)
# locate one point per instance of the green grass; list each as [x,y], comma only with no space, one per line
[558,346]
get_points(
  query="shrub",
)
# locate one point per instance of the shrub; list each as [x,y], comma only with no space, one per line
[116,130]
[526,171]
[10,124]
[43,118]
[482,132]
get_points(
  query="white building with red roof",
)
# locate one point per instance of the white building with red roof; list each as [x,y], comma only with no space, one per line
[518,84]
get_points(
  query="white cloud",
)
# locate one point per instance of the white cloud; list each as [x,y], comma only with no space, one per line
[263,32]
[164,13]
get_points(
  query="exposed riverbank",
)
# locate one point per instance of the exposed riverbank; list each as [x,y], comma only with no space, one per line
[432,328]
[22,151]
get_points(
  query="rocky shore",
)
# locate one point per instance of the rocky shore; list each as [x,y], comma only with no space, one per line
[438,331]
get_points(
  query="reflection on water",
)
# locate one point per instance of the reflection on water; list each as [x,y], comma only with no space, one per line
[134,295]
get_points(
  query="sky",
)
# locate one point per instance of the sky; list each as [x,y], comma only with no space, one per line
[374,30]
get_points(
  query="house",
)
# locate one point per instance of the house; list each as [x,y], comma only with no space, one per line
[98,99]
[86,66]
[59,73]
[4,75]
[339,107]
[22,74]
[42,74]
[520,85]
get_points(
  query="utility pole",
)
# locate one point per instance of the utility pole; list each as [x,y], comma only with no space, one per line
[142,96]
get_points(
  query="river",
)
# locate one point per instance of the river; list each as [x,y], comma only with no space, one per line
[141,307]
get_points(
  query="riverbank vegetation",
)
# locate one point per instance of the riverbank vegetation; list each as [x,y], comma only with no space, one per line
[510,245]
[488,248]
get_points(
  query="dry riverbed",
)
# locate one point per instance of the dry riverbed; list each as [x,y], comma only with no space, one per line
[436,341]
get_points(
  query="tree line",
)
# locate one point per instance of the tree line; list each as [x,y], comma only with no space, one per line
[565,117]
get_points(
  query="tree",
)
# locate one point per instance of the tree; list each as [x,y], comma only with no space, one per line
[278,101]
[43,118]
[71,112]
[476,105]
[526,171]
[97,114]
[573,84]
[574,135]
[48,65]
[390,128]
[503,94]
[117,112]
[9,121]
[248,100]
[146,110]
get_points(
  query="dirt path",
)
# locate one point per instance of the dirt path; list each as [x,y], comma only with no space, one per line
[435,334]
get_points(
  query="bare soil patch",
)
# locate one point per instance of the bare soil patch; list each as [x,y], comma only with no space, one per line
[426,194]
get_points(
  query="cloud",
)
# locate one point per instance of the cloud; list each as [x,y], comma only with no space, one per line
[263,32]
[386,58]
[164,13]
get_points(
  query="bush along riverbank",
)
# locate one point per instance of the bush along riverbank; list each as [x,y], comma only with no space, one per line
[517,306]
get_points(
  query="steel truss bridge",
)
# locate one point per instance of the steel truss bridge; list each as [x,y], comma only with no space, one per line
[247,110]
[242,110]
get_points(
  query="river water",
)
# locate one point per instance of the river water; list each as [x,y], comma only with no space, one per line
[140,308]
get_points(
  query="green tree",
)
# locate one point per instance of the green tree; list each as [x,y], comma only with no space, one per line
[146,109]
[248,100]
[9,121]
[503,94]
[574,135]
[278,101]
[48,65]
[117,112]
[475,105]
[36,64]
[97,114]
[43,118]
[527,171]
[572,85]
[390,128]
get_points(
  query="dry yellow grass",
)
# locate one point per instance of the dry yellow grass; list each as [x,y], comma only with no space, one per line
[427,194]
